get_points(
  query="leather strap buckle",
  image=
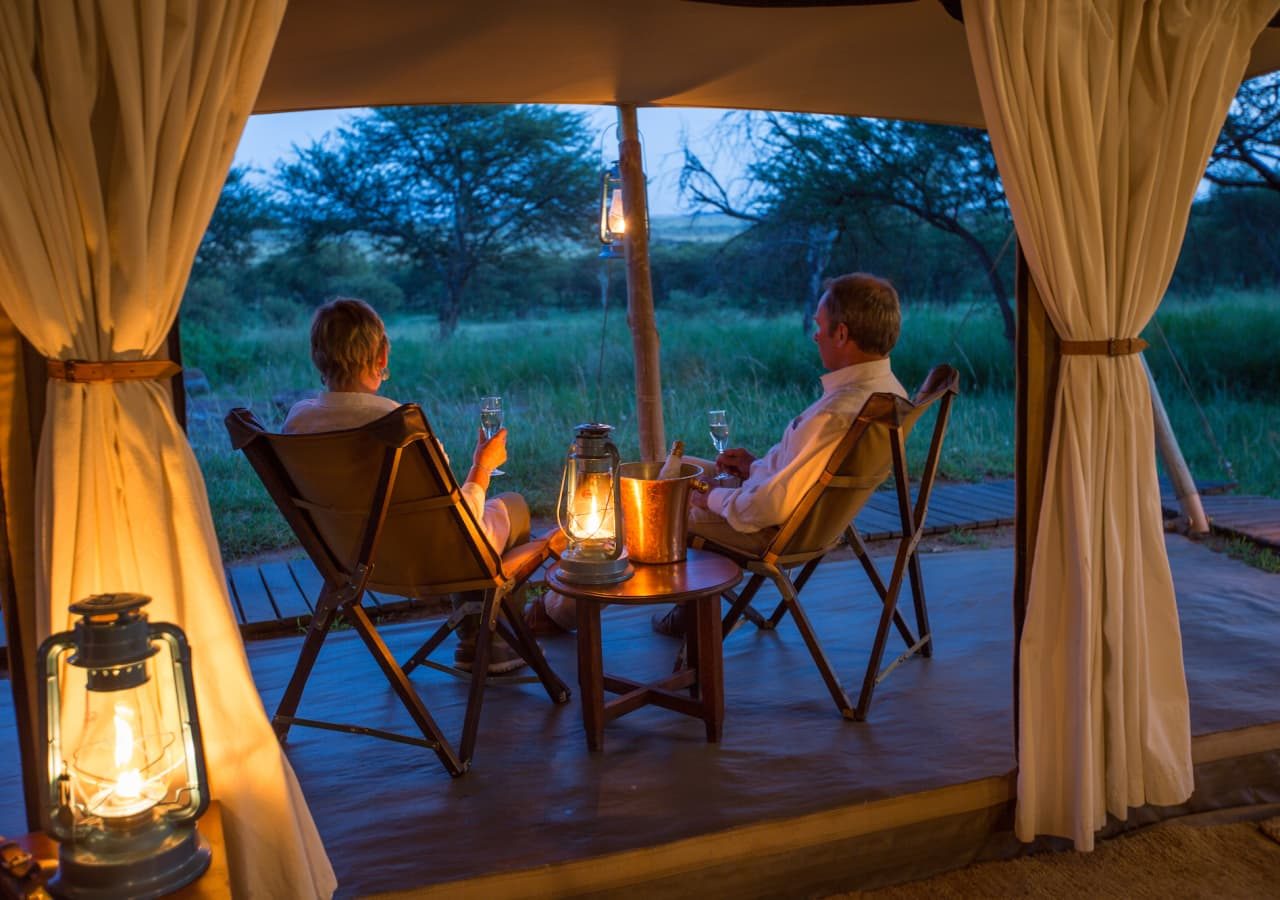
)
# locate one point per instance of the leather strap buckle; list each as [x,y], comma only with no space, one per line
[82,371]
[1125,346]
[1109,347]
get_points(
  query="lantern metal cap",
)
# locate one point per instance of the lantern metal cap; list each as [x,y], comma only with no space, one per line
[113,640]
[593,430]
[109,604]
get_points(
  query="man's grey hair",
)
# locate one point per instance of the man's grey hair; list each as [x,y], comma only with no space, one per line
[868,307]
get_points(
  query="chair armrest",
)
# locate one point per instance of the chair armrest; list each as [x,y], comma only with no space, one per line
[524,559]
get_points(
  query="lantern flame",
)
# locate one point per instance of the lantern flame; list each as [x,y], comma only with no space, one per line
[129,782]
[591,521]
[617,215]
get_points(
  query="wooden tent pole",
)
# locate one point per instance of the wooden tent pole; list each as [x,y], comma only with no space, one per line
[1184,486]
[1036,356]
[24,375]
[640,318]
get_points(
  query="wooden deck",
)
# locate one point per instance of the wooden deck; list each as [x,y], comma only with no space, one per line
[1256,519]
[275,598]
[794,801]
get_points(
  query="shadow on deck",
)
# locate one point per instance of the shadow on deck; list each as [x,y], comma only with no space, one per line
[793,801]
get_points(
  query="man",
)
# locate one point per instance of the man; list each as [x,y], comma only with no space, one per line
[858,321]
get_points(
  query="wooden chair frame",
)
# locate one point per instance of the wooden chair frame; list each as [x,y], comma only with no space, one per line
[895,416]
[404,431]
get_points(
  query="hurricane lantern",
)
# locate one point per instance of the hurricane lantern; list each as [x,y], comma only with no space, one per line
[590,510]
[613,217]
[126,779]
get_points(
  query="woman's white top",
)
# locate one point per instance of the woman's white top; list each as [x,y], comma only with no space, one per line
[341,410]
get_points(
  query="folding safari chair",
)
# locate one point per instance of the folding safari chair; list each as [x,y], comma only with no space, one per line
[377,508]
[874,447]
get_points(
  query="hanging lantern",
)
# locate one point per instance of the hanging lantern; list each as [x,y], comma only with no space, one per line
[125,782]
[613,218]
[590,512]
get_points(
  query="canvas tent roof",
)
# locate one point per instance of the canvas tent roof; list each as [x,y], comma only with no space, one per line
[900,60]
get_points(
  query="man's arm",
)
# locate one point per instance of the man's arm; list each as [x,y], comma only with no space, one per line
[735,461]
[797,462]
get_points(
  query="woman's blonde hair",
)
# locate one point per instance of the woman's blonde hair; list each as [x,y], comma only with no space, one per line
[347,337]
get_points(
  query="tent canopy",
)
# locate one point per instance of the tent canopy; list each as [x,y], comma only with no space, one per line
[891,60]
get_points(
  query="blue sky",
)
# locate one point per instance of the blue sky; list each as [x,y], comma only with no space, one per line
[270,138]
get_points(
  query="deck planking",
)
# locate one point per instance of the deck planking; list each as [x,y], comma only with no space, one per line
[277,596]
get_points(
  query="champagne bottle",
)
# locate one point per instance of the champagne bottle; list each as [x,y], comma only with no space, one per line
[675,459]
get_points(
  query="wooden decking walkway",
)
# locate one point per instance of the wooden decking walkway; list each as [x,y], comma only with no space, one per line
[274,597]
[1255,519]
[279,595]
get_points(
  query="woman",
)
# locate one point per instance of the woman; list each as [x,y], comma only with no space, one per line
[350,349]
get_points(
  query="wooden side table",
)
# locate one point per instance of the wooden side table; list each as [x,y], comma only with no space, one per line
[697,581]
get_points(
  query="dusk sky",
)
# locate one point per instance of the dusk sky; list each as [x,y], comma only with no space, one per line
[270,138]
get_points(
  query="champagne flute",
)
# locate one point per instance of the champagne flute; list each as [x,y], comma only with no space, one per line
[491,420]
[718,425]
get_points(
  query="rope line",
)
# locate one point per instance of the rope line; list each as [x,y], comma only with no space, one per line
[604,333]
[973,303]
[1223,462]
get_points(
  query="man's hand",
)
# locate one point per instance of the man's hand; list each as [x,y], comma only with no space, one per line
[490,453]
[736,461]
[698,499]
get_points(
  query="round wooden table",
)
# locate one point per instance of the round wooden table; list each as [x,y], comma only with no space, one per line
[698,581]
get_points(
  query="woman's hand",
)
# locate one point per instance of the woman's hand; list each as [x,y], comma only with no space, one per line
[735,461]
[490,453]
[698,499]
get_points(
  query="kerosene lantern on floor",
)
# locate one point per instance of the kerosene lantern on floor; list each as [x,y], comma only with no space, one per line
[126,775]
[590,511]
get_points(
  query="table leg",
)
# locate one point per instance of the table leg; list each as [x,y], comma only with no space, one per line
[710,663]
[688,657]
[591,673]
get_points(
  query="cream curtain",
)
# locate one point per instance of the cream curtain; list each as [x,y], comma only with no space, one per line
[118,122]
[1102,114]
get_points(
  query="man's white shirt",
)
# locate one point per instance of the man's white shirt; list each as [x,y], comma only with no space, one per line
[778,480]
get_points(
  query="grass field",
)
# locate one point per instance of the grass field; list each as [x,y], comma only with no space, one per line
[762,370]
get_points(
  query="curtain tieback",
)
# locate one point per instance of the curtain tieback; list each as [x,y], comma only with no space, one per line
[1109,347]
[80,370]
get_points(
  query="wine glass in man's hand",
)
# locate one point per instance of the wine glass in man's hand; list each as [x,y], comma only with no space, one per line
[718,425]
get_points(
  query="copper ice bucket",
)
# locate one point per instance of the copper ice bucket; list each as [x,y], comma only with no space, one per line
[654,523]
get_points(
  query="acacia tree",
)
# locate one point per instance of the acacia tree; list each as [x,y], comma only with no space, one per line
[243,209]
[829,173]
[450,189]
[1247,154]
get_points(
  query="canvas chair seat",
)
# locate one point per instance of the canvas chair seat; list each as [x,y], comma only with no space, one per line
[378,508]
[873,449]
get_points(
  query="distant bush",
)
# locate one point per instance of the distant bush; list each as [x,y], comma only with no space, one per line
[211,303]
[279,311]
[380,292]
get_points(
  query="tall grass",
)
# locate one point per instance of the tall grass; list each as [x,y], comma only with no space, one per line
[762,370]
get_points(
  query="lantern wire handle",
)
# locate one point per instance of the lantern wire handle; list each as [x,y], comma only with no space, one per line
[564,477]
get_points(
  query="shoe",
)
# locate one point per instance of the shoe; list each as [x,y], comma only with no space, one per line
[670,623]
[540,621]
[502,658]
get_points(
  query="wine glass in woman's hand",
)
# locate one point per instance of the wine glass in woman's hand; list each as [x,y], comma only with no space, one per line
[491,420]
